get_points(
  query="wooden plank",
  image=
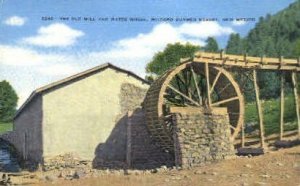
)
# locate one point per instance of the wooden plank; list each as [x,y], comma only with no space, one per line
[281,106]
[259,109]
[294,80]
[207,84]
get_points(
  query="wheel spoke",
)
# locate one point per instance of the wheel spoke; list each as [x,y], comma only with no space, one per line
[215,81]
[225,101]
[180,93]
[197,87]
[227,85]
[207,84]
[232,127]
[178,80]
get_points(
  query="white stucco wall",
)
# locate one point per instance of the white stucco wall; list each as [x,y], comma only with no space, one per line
[80,116]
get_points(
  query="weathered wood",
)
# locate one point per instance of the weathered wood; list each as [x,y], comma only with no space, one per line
[294,80]
[207,84]
[155,110]
[281,106]
[259,109]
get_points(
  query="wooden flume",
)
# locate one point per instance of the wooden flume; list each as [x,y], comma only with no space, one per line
[203,81]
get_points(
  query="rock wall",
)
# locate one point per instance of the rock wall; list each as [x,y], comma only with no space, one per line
[201,136]
[131,97]
[142,151]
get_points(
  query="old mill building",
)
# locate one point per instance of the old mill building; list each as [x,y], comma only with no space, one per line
[83,115]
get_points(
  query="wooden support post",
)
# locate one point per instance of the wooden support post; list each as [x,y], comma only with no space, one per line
[281,106]
[207,84]
[245,59]
[294,79]
[259,109]
[243,136]
[128,142]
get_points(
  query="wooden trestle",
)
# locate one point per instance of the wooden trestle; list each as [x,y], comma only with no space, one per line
[218,80]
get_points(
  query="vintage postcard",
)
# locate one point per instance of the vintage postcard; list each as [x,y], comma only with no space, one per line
[147,92]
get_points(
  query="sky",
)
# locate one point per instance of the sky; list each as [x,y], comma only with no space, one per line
[42,41]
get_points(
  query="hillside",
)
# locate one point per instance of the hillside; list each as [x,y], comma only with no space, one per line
[273,36]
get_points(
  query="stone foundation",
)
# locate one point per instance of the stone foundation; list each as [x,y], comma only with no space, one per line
[201,136]
[68,160]
[142,151]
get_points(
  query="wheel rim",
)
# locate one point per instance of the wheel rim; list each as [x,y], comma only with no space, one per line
[185,86]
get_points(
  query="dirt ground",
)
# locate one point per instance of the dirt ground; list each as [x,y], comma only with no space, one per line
[276,168]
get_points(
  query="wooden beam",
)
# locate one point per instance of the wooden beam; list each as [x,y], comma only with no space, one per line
[294,80]
[259,110]
[245,58]
[252,140]
[207,84]
[243,136]
[248,64]
[178,92]
[281,106]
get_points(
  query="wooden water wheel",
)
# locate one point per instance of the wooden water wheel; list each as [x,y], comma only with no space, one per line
[191,84]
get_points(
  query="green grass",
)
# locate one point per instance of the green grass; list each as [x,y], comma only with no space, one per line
[4,127]
[271,114]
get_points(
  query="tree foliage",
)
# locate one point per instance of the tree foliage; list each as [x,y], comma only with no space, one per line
[169,57]
[235,44]
[273,36]
[211,45]
[8,101]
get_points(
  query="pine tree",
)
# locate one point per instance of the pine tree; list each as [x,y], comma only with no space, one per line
[211,45]
[235,45]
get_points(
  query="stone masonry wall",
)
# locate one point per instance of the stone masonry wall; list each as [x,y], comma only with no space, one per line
[142,152]
[201,137]
[131,97]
